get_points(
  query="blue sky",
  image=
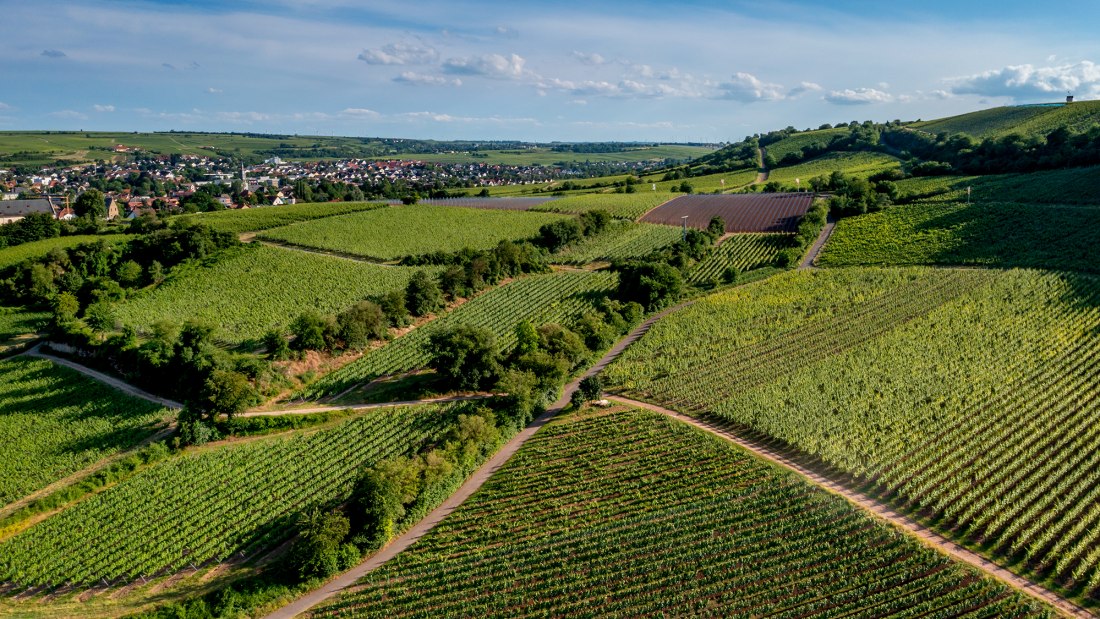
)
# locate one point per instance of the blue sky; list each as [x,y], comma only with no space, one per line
[686,71]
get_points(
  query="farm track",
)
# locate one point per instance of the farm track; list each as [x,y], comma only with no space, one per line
[880,510]
[764,173]
[362,407]
[323,252]
[811,256]
[347,580]
[105,379]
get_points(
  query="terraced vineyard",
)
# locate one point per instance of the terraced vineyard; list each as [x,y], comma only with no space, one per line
[860,164]
[54,422]
[11,256]
[267,217]
[258,288]
[622,240]
[554,297]
[210,505]
[634,514]
[988,234]
[391,233]
[621,205]
[741,251]
[988,428]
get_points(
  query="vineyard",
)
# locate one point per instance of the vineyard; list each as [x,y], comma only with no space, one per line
[769,212]
[861,164]
[988,428]
[988,234]
[1025,120]
[264,218]
[391,233]
[1068,186]
[796,142]
[622,240]
[505,204]
[11,256]
[620,205]
[15,322]
[554,297]
[55,422]
[634,514]
[214,504]
[256,288]
[743,252]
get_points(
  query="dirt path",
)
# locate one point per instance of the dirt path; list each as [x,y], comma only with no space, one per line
[883,512]
[762,175]
[105,379]
[815,249]
[360,407]
[348,579]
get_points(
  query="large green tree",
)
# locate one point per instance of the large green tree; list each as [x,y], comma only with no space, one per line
[91,203]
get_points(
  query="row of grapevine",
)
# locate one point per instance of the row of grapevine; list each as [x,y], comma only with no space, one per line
[55,422]
[633,514]
[264,218]
[743,252]
[622,240]
[213,504]
[554,297]
[967,396]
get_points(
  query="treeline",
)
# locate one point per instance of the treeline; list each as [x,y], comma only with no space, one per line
[943,154]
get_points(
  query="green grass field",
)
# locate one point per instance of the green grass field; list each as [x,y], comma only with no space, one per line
[265,218]
[981,234]
[391,233]
[620,205]
[248,291]
[55,422]
[634,514]
[986,428]
[861,164]
[11,256]
[1068,186]
[1024,120]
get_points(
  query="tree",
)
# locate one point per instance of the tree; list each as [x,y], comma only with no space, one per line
[319,551]
[465,356]
[716,227]
[361,323]
[308,331]
[422,294]
[590,387]
[651,284]
[92,204]
[276,344]
[226,393]
[556,235]
[393,308]
[527,338]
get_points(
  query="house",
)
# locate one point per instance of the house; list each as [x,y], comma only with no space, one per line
[226,201]
[66,214]
[14,210]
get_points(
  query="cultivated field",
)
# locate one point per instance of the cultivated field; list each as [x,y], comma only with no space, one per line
[267,217]
[633,514]
[987,429]
[1025,120]
[257,288]
[505,204]
[770,212]
[397,231]
[795,143]
[15,322]
[56,422]
[622,240]
[620,205]
[1069,186]
[859,164]
[743,252]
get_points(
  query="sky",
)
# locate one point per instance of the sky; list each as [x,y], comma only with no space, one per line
[694,71]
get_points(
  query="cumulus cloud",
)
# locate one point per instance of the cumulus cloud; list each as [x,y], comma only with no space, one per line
[748,88]
[400,54]
[103,108]
[359,112]
[939,94]
[53,53]
[411,77]
[1029,82]
[487,65]
[803,88]
[590,59]
[859,96]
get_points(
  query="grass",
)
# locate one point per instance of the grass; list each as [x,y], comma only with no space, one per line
[11,256]
[264,218]
[56,422]
[861,164]
[548,157]
[391,233]
[630,513]
[249,291]
[981,234]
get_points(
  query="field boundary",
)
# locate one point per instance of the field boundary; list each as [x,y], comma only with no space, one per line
[875,508]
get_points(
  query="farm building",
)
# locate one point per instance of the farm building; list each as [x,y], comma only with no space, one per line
[14,210]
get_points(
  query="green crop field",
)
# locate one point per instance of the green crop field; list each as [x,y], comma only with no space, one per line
[622,240]
[860,164]
[554,297]
[987,428]
[1068,186]
[391,233]
[211,504]
[795,143]
[16,322]
[634,514]
[264,218]
[741,251]
[54,422]
[1026,120]
[256,288]
[987,234]
[621,205]
[710,183]
[11,256]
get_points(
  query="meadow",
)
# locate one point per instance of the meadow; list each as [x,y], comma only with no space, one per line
[398,231]
[248,291]
[630,513]
[55,422]
[985,429]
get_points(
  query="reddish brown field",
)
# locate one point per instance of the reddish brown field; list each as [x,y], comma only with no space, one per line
[768,212]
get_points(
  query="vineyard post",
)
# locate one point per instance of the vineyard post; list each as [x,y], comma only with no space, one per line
[684,232]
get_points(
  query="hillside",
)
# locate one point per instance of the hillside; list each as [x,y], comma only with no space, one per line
[1025,120]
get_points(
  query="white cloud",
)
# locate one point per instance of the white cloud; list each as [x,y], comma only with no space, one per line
[400,54]
[859,96]
[939,94]
[746,87]
[411,77]
[1029,82]
[589,59]
[359,112]
[487,65]
[53,53]
[214,91]
[103,108]
[803,88]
